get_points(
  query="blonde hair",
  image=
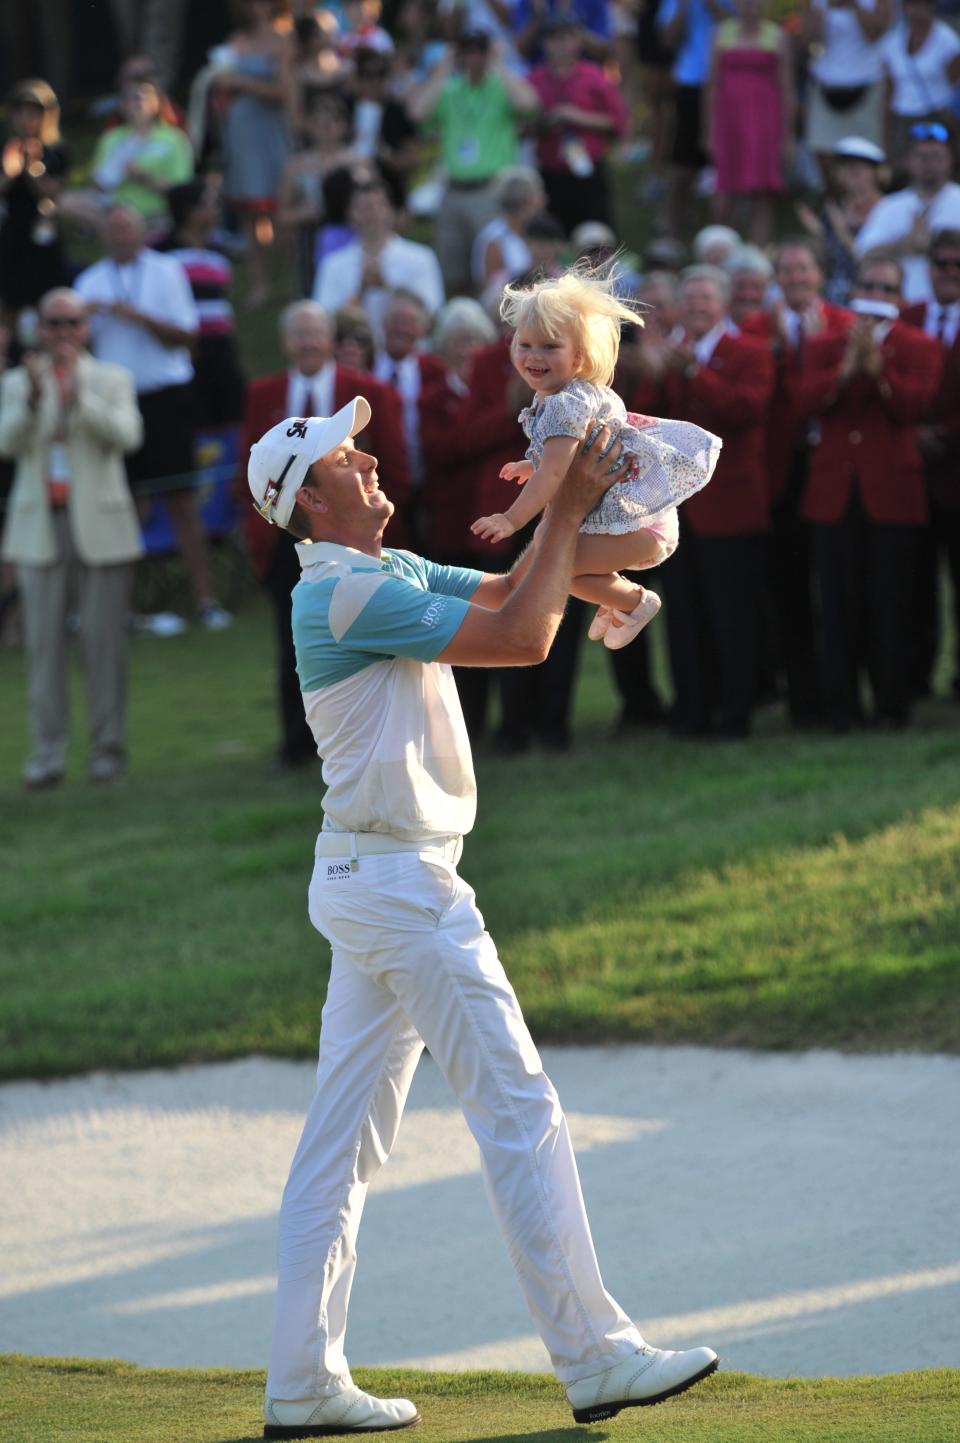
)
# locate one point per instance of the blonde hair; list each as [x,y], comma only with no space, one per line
[582,303]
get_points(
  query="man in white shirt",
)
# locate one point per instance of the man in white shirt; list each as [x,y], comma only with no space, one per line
[904,222]
[377,262]
[376,633]
[143,317]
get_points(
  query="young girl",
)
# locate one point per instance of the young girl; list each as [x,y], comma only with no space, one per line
[565,345]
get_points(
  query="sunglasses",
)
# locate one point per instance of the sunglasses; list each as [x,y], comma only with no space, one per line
[56,322]
[933,131]
[943,264]
[883,288]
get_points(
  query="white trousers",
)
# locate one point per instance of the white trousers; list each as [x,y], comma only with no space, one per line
[413,964]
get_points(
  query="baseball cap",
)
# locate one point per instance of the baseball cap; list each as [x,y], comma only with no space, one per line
[280,460]
[855,147]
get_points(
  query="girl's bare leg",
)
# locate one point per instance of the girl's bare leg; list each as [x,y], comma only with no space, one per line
[597,579]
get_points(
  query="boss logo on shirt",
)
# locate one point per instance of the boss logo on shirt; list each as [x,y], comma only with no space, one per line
[434,612]
[338,871]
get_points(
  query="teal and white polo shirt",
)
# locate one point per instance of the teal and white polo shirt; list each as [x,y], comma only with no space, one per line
[385,714]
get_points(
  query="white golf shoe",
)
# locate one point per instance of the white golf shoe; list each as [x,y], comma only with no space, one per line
[648,1376]
[351,1411]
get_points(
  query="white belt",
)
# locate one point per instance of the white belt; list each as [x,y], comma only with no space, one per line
[373,844]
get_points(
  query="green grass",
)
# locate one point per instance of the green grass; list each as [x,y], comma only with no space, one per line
[785,892]
[74,1401]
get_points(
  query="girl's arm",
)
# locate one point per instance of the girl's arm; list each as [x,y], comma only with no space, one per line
[539,491]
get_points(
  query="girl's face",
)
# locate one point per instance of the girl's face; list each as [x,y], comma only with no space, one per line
[546,363]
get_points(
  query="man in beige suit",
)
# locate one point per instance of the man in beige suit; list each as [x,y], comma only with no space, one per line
[66,420]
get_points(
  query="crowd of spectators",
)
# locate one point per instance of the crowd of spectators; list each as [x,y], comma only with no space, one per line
[376,178]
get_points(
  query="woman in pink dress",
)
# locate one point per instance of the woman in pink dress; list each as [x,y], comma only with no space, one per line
[750,113]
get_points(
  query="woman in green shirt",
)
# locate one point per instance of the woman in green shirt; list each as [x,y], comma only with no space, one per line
[137,162]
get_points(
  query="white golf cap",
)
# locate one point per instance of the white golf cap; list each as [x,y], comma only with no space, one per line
[855,147]
[280,460]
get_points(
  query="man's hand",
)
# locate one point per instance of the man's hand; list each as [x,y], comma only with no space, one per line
[519,471]
[493,528]
[34,367]
[124,311]
[596,466]
[680,355]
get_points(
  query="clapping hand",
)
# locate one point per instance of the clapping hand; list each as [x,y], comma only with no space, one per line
[519,471]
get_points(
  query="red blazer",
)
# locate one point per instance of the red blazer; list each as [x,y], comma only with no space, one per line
[868,429]
[450,468]
[266,404]
[942,467]
[783,424]
[491,434]
[729,396]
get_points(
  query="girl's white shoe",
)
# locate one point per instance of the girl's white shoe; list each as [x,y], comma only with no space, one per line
[600,624]
[633,622]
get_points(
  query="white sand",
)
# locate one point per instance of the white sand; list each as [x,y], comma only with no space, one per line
[798,1213]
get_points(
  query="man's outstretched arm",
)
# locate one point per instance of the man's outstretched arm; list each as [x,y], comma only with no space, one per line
[513,619]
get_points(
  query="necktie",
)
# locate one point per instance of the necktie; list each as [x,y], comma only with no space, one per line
[308,402]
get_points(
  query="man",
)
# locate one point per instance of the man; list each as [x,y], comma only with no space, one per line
[376,633]
[904,222]
[939,439]
[713,582]
[67,420]
[582,115]
[365,271]
[686,28]
[144,318]
[475,106]
[786,326]
[593,18]
[868,387]
[312,384]
[407,369]
[750,273]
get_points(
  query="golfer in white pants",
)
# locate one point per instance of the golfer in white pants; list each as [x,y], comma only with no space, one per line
[413,964]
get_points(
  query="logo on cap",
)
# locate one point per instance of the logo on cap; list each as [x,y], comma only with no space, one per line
[298,428]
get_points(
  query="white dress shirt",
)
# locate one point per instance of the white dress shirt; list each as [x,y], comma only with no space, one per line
[892,219]
[942,322]
[403,264]
[705,347]
[311,395]
[404,377]
[158,286]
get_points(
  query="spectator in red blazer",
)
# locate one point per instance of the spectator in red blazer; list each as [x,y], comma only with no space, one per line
[408,370]
[866,390]
[313,385]
[723,381]
[939,439]
[535,700]
[450,469]
[799,313]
